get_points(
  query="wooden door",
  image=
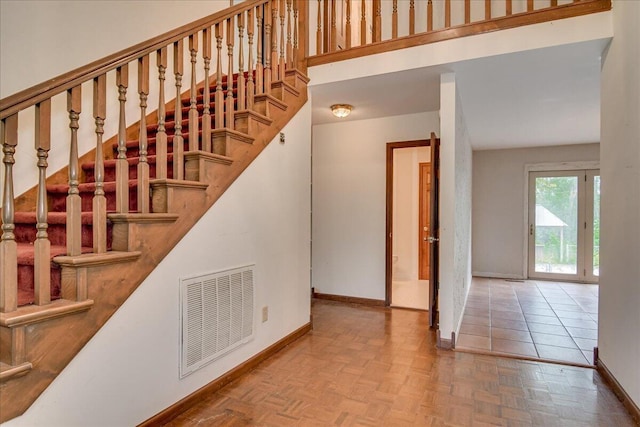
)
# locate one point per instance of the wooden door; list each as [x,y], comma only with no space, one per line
[424,198]
[434,232]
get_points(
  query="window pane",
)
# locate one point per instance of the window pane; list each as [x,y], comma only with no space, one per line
[596,225]
[556,225]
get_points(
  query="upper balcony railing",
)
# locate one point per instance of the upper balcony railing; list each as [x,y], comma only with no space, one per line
[354,28]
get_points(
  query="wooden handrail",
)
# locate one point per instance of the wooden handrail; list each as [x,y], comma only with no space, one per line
[45,90]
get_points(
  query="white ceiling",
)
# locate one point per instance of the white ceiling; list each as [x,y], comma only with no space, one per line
[540,97]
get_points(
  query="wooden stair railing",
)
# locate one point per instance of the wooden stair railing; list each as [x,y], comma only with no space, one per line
[390,25]
[96,212]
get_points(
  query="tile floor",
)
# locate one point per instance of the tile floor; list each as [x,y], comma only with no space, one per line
[536,319]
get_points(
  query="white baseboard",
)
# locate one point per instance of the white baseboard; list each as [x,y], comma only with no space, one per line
[498,275]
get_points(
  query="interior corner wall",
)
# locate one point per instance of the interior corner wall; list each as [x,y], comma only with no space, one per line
[349,201]
[499,201]
[619,317]
[128,371]
[456,168]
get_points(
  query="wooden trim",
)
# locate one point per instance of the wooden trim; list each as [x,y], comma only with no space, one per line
[350,300]
[522,357]
[618,390]
[185,403]
[445,344]
[389,210]
[584,7]
[45,90]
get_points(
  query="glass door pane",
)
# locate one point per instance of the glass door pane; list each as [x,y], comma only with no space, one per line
[596,225]
[556,225]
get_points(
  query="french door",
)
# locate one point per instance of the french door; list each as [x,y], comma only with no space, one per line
[564,225]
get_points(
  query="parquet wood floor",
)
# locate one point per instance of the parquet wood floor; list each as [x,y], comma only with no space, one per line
[363,366]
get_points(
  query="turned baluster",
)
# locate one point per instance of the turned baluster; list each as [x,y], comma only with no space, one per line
[143,164]
[412,17]
[267,44]
[319,30]
[334,29]
[193,109]
[241,79]
[74,203]
[430,15]
[206,99]
[42,245]
[529,5]
[509,7]
[467,11]
[394,20]
[487,9]
[377,21]
[447,13]
[122,165]
[347,31]
[363,23]
[275,75]
[219,99]
[99,200]
[229,116]
[259,59]
[8,246]
[161,134]
[289,30]
[281,63]
[251,90]
[178,140]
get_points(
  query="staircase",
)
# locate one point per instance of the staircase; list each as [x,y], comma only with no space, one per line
[98,250]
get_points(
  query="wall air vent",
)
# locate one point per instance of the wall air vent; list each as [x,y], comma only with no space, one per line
[217,315]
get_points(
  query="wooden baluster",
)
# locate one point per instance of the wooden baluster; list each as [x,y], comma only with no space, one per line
[447,13]
[251,89]
[143,164]
[289,59]
[42,245]
[319,30]
[363,23]
[529,5]
[122,165]
[193,109]
[99,200]
[554,3]
[8,246]
[178,140]
[161,134]
[74,208]
[509,7]
[267,44]
[301,38]
[294,59]
[241,79]
[412,17]
[206,94]
[229,106]
[347,31]
[377,21]
[429,16]
[333,34]
[275,75]
[467,11]
[260,60]
[394,20]
[281,63]
[487,9]
[219,99]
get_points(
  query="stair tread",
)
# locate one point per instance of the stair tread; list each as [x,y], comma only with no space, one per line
[29,314]
[26,250]
[10,371]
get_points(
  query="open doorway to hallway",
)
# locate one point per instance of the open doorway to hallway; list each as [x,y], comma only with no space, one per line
[410,188]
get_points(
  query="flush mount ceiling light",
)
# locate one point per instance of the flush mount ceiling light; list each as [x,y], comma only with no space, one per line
[341,110]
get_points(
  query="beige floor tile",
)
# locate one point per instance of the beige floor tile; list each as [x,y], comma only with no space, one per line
[514,347]
[473,341]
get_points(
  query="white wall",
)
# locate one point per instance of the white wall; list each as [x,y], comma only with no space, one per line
[618,336]
[455,208]
[349,180]
[129,371]
[406,189]
[499,227]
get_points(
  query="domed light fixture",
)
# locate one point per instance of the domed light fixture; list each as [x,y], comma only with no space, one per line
[341,110]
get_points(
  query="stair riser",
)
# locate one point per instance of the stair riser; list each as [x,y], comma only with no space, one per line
[58,201]
[26,280]
[26,233]
[110,171]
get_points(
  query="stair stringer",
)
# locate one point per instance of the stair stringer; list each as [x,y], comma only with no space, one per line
[52,344]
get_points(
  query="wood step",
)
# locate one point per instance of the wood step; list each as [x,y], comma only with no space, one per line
[30,314]
[166,194]
[8,372]
[130,229]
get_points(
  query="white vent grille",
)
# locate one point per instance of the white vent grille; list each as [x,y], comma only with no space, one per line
[217,314]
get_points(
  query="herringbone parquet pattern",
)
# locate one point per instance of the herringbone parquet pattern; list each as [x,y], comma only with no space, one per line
[365,366]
